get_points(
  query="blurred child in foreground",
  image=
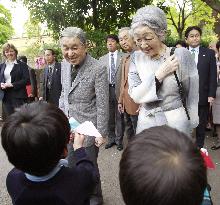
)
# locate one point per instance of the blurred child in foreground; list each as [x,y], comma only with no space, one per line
[35,139]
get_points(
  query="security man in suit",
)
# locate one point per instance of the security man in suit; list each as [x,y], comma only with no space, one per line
[112,60]
[51,87]
[207,69]
[32,88]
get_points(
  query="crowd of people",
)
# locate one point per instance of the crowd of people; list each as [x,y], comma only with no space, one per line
[157,96]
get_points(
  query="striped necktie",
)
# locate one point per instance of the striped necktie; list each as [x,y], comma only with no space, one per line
[50,75]
[74,72]
[112,80]
[193,53]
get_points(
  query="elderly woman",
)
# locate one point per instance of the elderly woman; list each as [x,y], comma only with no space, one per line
[14,77]
[151,77]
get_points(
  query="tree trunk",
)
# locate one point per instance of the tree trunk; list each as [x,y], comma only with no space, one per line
[180,34]
[95,14]
[217,23]
[214,4]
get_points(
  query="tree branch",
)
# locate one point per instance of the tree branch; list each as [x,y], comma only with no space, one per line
[172,19]
[214,4]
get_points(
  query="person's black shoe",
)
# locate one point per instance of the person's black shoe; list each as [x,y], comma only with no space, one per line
[119,147]
[109,145]
[215,147]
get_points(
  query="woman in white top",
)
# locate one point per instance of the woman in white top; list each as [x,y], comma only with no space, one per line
[151,77]
[14,76]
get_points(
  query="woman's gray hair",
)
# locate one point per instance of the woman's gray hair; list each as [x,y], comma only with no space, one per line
[152,17]
[74,32]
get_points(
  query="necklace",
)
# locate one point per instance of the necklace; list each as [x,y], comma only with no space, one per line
[161,55]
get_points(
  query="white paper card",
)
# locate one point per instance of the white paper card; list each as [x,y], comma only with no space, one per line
[86,128]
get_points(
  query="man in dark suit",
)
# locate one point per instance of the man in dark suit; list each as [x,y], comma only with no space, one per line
[32,88]
[206,65]
[112,60]
[51,89]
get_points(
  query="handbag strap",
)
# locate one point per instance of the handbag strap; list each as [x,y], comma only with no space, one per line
[180,86]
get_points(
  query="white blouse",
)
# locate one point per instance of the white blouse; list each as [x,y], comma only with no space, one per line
[8,69]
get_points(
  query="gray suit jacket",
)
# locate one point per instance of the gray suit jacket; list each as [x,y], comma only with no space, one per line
[104,60]
[87,98]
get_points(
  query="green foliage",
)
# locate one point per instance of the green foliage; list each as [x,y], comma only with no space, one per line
[97,44]
[31,52]
[104,15]
[170,41]
[32,28]
[97,18]
[208,36]
[6,30]
[181,14]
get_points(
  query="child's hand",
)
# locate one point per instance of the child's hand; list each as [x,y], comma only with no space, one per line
[99,141]
[71,139]
[3,86]
[8,85]
[78,140]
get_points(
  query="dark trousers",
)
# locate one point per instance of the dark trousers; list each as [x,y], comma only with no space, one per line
[129,124]
[9,105]
[30,99]
[200,130]
[115,119]
[92,152]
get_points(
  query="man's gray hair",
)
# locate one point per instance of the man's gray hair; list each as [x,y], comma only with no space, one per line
[153,17]
[74,32]
[125,29]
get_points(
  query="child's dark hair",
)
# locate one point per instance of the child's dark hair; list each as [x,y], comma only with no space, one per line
[190,28]
[162,166]
[35,136]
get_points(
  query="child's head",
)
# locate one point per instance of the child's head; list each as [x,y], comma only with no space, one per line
[35,137]
[162,166]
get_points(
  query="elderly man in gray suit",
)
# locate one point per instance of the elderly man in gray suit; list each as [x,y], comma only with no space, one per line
[112,60]
[85,93]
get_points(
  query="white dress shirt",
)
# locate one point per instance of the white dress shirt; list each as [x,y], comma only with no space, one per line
[196,53]
[8,69]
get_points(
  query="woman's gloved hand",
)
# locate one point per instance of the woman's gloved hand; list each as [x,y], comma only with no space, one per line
[169,66]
